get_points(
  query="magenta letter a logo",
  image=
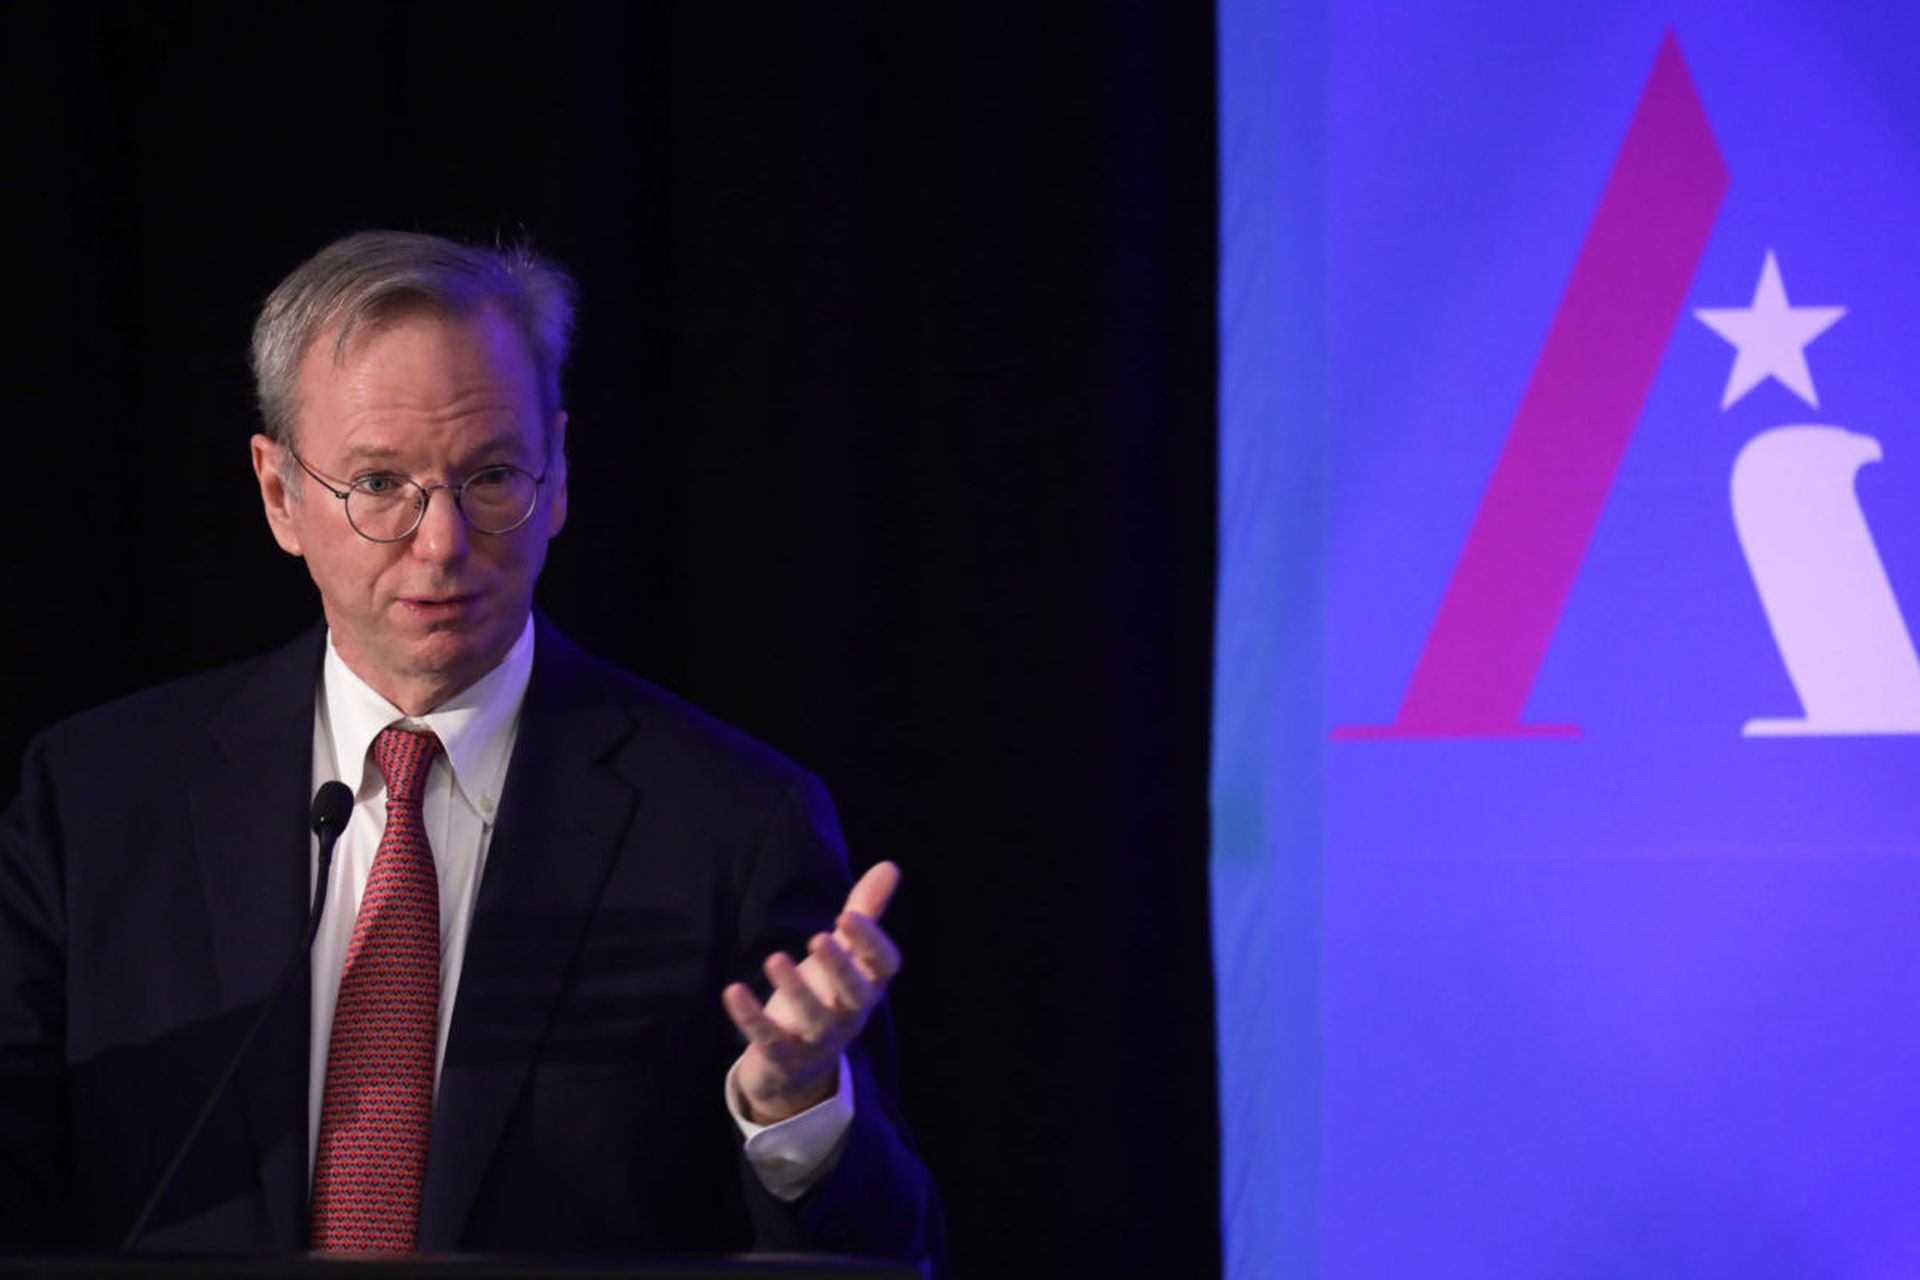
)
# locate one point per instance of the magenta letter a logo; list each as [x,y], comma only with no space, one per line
[1564,447]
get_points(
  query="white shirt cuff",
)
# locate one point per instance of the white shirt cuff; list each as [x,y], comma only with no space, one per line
[791,1155]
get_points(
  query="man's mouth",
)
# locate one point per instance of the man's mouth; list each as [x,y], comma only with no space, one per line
[439,606]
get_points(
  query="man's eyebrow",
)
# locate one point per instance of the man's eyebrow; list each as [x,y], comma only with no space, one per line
[507,446]
[369,453]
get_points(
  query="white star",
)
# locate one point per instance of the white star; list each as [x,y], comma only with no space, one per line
[1770,337]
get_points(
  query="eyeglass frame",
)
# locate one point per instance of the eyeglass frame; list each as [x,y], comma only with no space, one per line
[426,498]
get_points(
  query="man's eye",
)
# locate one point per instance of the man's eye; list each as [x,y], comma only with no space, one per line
[379,485]
[491,478]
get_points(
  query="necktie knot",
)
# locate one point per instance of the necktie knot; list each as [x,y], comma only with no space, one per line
[403,758]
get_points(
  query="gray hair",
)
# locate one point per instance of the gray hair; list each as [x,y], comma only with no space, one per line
[373,275]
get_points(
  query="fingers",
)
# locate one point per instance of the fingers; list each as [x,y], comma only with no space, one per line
[869,945]
[803,1014]
[792,1014]
[749,1015]
[848,989]
[870,896]
[824,1001]
[858,928]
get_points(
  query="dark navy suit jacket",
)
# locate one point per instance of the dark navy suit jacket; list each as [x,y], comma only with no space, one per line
[154,880]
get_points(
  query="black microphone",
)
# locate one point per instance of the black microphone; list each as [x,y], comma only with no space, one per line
[327,819]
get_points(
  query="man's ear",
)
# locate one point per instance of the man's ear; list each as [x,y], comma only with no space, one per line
[274,495]
[557,475]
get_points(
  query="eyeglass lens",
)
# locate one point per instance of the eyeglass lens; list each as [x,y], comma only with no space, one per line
[495,500]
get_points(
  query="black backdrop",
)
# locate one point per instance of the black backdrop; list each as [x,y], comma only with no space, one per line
[892,442]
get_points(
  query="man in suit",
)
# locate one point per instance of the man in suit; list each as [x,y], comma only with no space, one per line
[522,1025]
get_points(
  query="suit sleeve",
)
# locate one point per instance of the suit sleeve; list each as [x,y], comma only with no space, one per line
[879,1198]
[33,1174]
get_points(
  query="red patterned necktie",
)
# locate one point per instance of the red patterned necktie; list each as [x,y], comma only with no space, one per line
[377,1111]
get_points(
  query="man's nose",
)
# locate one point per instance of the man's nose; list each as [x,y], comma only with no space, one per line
[442,534]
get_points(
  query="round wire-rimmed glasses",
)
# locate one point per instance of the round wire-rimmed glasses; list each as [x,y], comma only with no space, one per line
[385,506]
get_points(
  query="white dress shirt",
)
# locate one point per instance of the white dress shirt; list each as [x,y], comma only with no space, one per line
[476,729]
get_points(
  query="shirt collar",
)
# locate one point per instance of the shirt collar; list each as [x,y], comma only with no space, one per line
[475,727]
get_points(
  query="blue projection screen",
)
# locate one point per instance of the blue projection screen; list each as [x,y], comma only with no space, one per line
[1566,860]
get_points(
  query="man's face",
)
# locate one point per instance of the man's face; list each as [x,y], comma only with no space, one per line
[434,398]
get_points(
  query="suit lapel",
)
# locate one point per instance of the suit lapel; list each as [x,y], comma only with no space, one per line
[249,814]
[563,813]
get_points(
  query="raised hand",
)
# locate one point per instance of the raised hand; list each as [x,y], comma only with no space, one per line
[817,1007]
